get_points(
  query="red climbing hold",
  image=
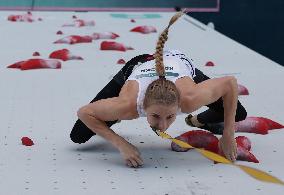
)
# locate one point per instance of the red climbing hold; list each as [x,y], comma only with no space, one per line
[144,29]
[242,90]
[64,54]
[21,18]
[176,147]
[208,141]
[209,63]
[36,64]
[59,32]
[271,124]
[243,154]
[80,23]
[105,35]
[244,142]
[121,61]
[36,54]
[252,125]
[74,39]
[111,45]
[27,141]
[198,139]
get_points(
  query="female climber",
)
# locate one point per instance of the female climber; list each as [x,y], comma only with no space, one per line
[160,87]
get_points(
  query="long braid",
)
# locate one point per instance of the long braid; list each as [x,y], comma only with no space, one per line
[162,91]
[160,45]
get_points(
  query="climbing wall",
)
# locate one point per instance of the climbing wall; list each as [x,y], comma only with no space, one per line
[42,104]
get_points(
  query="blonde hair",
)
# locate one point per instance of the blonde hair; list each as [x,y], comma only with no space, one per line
[162,91]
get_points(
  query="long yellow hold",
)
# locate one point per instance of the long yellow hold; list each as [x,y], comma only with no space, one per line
[255,173]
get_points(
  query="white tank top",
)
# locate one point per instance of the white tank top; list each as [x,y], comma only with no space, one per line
[177,65]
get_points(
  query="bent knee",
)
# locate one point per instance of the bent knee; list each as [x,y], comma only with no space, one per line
[241,114]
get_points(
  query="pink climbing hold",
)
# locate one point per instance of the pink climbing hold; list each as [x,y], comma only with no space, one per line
[26,141]
[104,35]
[242,90]
[209,63]
[80,23]
[64,54]
[144,29]
[59,32]
[121,61]
[36,64]
[111,45]
[36,54]
[75,39]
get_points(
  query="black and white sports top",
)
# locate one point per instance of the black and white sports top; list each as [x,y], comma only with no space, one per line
[177,65]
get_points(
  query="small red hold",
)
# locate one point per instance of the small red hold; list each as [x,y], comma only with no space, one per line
[64,54]
[121,61]
[80,23]
[26,141]
[209,63]
[132,20]
[59,32]
[111,45]
[36,54]
[74,39]
[104,35]
[144,29]
[242,90]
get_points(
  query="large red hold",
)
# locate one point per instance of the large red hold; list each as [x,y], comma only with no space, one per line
[198,139]
[111,45]
[74,39]
[64,54]
[208,141]
[36,64]
[252,125]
